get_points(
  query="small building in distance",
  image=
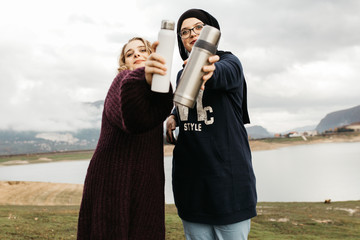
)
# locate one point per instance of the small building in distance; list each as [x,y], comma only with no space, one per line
[353,126]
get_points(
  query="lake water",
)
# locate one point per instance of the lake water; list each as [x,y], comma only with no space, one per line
[298,173]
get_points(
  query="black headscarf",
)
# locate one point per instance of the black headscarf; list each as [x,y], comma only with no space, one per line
[202,15]
[208,19]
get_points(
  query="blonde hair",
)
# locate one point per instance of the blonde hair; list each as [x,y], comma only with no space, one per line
[122,65]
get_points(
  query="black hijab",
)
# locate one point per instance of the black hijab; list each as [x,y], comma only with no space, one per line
[202,15]
[208,19]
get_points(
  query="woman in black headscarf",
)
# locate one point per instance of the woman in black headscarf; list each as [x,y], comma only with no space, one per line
[213,178]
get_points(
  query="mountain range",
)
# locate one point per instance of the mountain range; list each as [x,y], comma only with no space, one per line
[339,119]
[255,132]
[25,142]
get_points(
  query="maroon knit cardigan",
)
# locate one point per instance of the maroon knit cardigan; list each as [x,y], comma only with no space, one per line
[123,194]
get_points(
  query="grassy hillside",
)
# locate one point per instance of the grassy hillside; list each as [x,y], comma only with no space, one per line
[31,210]
[339,220]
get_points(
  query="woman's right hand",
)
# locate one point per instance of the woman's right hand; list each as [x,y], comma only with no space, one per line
[155,64]
[170,127]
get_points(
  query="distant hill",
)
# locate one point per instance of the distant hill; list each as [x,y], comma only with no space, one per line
[23,142]
[256,132]
[339,119]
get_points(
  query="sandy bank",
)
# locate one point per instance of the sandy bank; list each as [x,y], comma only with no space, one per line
[39,193]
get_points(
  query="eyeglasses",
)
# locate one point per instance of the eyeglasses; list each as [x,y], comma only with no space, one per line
[185,33]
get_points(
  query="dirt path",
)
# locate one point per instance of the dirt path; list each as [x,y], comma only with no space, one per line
[39,193]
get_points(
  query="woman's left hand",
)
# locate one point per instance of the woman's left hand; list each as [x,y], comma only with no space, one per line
[155,64]
[209,69]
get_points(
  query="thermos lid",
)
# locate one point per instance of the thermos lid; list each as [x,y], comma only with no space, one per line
[167,24]
[210,34]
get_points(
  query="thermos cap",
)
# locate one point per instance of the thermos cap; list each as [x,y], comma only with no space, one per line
[210,34]
[167,24]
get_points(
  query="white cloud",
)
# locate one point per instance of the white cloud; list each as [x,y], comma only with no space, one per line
[334,77]
[301,58]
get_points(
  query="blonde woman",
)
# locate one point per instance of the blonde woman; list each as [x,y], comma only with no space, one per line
[124,187]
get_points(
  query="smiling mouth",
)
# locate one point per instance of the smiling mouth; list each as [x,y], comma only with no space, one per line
[138,61]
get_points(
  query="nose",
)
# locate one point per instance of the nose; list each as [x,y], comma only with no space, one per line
[193,33]
[136,54]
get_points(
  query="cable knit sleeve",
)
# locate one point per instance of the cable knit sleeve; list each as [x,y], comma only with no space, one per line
[132,106]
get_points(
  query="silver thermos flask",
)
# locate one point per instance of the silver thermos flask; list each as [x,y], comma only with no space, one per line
[191,78]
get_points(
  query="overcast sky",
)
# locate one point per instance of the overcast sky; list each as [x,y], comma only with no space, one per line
[301,58]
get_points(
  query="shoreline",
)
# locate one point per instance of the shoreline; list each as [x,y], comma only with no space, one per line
[255,145]
[275,143]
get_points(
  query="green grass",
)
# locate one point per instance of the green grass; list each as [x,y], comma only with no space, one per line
[306,221]
[37,222]
[278,221]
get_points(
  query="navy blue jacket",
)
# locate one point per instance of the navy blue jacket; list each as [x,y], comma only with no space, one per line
[213,178]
